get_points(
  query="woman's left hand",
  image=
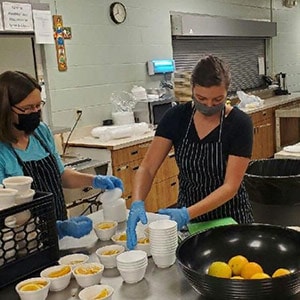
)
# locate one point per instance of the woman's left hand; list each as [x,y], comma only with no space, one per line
[107,182]
[180,215]
[76,227]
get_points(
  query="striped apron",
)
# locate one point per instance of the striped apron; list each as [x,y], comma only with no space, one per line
[46,178]
[202,170]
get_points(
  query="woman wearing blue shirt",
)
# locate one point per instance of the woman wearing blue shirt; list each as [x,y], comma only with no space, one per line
[27,145]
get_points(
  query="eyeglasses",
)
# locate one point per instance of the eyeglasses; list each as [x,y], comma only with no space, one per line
[30,108]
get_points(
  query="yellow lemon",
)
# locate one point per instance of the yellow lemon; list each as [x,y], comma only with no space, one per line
[281,272]
[143,240]
[110,252]
[30,287]
[236,277]
[251,268]
[122,237]
[105,225]
[104,293]
[61,272]
[260,276]
[236,264]
[87,270]
[219,269]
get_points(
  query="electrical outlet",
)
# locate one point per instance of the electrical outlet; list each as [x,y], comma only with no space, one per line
[78,113]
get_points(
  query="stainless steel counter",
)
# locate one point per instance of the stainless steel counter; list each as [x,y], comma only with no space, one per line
[158,283]
[167,284]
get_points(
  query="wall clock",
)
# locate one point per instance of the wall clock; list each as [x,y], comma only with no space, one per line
[118,12]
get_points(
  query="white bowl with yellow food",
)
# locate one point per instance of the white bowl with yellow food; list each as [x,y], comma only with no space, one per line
[88,274]
[143,243]
[59,277]
[108,255]
[97,292]
[106,229]
[36,288]
[73,260]
[120,238]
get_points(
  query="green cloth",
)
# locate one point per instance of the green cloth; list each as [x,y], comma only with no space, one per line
[201,226]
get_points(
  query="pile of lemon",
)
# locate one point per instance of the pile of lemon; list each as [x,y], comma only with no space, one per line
[238,267]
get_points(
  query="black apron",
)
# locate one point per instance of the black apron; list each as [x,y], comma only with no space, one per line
[46,178]
[202,170]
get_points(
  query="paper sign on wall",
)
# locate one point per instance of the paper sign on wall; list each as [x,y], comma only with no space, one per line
[43,28]
[17,16]
[1,20]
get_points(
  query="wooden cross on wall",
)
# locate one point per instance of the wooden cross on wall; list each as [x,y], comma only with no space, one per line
[60,34]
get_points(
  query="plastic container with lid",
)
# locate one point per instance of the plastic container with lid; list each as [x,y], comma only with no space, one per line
[114,207]
[115,211]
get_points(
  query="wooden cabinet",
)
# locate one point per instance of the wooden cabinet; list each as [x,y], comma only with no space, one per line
[264,130]
[164,191]
[263,134]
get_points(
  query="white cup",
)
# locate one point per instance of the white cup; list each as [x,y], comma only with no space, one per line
[20,183]
[7,198]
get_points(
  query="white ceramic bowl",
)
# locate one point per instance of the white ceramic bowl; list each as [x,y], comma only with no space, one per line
[93,291]
[120,239]
[7,198]
[26,196]
[73,260]
[39,294]
[143,244]
[133,275]
[164,261]
[59,277]
[108,255]
[20,183]
[106,229]
[90,274]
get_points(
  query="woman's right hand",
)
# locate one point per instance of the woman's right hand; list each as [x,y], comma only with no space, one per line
[137,213]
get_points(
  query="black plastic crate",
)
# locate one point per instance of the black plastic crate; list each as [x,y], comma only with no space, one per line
[30,245]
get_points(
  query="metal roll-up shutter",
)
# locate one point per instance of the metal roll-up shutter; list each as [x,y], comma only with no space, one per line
[241,54]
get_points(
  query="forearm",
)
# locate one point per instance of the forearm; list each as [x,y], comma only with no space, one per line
[142,183]
[215,199]
[74,179]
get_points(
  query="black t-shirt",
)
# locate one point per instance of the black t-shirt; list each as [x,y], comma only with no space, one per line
[237,131]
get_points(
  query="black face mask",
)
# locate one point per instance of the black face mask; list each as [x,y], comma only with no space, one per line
[28,122]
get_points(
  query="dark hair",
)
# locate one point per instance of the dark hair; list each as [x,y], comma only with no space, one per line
[210,71]
[14,88]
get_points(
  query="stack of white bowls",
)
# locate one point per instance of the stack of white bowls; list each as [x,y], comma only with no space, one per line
[23,185]
[163,242]
[132,265]
[23,193]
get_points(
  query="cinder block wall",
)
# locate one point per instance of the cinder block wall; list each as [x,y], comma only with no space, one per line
[104,57]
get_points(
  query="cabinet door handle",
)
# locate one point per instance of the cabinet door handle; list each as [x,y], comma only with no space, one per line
[171,154]
[134,152]
[264,113]
[122,168]
[265,125]
[173,183]
[135,168]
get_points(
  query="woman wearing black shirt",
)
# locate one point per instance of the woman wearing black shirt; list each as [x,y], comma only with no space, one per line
[213,145]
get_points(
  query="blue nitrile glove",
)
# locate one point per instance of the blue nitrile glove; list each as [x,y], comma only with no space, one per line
[137,213]
[76,227]
[180,215]
[107,182]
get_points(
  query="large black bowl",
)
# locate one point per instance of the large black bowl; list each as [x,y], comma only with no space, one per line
[269,245]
